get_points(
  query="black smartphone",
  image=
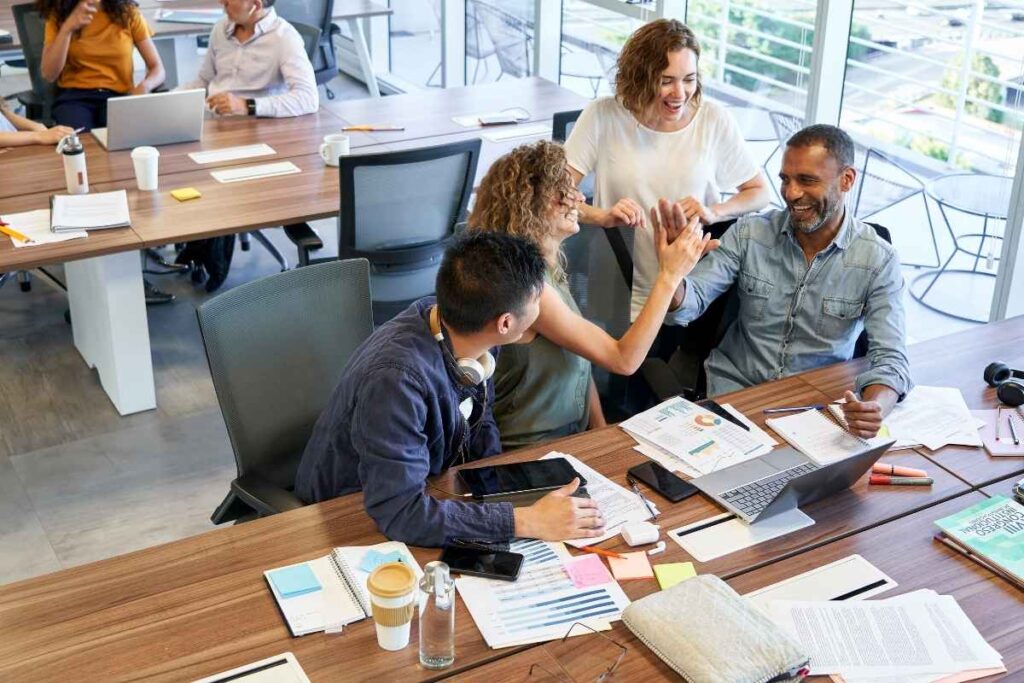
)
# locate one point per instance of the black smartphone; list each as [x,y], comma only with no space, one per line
[709,405]
[488,563]
[664,482]
[520,477]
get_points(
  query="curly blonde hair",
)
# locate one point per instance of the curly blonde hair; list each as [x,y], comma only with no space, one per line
[516,194]
[643,59]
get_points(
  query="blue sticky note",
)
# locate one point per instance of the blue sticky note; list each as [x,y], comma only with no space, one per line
[373,559]
[293,581]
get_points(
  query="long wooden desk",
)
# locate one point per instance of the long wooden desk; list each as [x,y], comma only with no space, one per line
[957,360]
[201,605]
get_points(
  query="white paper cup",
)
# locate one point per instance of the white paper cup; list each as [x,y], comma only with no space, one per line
[334,146]
[146,161]
[392,589]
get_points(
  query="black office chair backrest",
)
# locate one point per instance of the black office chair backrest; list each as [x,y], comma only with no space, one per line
[276,348]
[314,13]
[310,38]
[31,31]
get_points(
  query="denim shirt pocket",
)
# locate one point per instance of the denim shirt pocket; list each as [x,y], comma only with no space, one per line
[838,316]
[754,293]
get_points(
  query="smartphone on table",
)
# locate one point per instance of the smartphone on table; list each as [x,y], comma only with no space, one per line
[489,563]
[667,484]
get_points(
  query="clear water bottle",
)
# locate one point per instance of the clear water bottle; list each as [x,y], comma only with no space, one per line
[437,617]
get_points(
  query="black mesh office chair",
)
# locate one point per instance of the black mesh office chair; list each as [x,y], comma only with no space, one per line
[398,209]
[276,348]
[315,13]
[38,101]
[681,371]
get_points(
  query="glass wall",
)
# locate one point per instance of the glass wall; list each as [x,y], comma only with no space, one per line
[592,38]
[415,41]
[499,39]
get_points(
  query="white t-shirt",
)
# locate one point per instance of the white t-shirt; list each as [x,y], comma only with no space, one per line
[5,125]
[632,161]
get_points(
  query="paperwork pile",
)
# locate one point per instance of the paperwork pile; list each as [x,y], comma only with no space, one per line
[919,637]
[684,437]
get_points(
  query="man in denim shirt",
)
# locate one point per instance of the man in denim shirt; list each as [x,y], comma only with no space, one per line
[810,278]
[405,409]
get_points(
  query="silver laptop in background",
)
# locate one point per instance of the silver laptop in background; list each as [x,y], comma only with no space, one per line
[155,119]
[782,480]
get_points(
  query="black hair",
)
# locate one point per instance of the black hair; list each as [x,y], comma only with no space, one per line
[835,140]
[484,275]
[119,11]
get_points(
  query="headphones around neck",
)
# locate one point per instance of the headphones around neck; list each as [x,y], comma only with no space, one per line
[470,371]
[1008,384]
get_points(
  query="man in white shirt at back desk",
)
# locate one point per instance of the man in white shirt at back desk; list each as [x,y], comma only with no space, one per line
[256,65]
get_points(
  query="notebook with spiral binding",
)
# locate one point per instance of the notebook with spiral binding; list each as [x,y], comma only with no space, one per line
[330,592]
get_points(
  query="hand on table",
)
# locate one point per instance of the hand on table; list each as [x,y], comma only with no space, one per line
[559,517]
[227,104]
[51,136]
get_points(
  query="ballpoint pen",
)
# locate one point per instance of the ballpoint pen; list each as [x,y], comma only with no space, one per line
[793,409]
[636,489]
[1013,430]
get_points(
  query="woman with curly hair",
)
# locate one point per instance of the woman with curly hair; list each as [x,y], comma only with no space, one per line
[543,388]
[658,137]
[88,46]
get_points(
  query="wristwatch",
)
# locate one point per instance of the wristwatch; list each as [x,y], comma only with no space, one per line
[251,106]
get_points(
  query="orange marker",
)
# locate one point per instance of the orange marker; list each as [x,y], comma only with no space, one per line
[605,553]
[897,471]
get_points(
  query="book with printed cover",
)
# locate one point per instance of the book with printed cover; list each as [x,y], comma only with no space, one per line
[992,530]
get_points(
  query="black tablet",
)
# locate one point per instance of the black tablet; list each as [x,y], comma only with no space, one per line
[521,477]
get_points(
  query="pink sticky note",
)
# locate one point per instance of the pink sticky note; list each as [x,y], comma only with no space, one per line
[588,571]
[631,566]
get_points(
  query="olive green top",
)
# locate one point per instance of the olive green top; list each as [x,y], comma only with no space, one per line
[540,388]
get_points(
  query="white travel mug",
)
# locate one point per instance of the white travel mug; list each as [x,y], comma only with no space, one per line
[392,588]
[334,146]
[147,162]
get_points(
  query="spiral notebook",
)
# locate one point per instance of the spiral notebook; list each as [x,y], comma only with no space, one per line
[816,436]
[330,592]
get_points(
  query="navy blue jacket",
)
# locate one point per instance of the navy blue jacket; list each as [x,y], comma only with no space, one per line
[392,422]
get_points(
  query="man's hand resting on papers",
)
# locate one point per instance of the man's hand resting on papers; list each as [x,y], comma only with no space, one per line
[560,517]
[864,417]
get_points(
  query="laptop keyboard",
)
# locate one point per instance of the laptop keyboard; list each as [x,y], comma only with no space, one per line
[754,497]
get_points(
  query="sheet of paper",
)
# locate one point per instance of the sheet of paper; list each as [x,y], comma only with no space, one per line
[664,458]
[755,431]
[725,533]
[816,436]
[518,130]
[1002,446]
[850,578]
[631,566]
[671,573]
[374,558]
[92,211]
[231,153]
[927,634]
[587,571]
[541,604]
[36,226]
[618,505]
[934,417]
[234,175]
[698,437]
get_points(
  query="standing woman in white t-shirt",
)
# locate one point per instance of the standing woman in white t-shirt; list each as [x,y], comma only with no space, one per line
[659,138]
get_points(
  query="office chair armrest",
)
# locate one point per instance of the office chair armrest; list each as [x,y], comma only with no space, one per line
[305,240]
[264,497]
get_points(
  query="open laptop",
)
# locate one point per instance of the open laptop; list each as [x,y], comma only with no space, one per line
[782,480]
[154,119]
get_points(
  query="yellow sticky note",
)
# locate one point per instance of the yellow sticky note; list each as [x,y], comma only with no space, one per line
[671,573]
[631,566]
[185,193]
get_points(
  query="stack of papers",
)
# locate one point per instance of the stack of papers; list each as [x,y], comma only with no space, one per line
[93,211]
[35,225]
[914,638]
[618,505]
[684,437]
[551,593]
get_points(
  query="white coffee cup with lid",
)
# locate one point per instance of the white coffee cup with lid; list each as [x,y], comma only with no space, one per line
[147,162]
[334,146]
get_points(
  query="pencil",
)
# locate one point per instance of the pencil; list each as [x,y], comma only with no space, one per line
[8,230]
[605,553]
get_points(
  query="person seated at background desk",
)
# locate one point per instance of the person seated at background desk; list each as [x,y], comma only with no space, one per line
[405,409]
[810,277]
[256,64]
[87,51]
[17,131]
[543,388]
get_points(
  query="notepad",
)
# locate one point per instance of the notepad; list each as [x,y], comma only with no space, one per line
[298,579]
[671,573]
[816,436]
[234,175]
[93,211]
[631,566]
[587,571]
[213,156]
[36,226]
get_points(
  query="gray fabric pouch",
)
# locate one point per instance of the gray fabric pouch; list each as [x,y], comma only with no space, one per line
[707,633]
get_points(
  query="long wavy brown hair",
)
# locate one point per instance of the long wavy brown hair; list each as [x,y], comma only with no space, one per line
[645,56]
[119,11]
[516,194]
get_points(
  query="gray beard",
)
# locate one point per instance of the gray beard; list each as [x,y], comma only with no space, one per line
[825,218]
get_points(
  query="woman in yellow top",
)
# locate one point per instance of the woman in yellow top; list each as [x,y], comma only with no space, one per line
[87,51]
